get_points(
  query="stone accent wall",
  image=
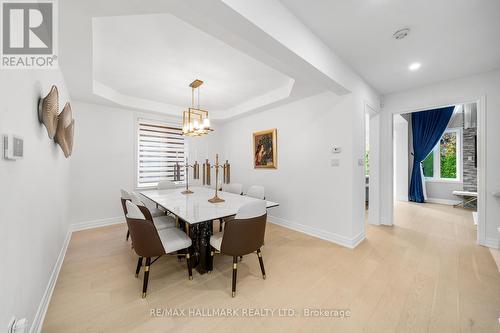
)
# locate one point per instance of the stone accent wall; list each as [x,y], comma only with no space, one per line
[468,156]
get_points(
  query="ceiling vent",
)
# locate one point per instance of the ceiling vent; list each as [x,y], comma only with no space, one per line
[401,33]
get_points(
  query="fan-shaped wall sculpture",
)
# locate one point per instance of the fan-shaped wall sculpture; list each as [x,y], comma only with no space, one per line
[65,130]
[48,108]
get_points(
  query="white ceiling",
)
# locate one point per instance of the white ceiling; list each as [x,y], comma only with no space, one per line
[450,38]
[131,56]
[155,57]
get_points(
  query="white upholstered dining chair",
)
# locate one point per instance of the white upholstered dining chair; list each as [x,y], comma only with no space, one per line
[166,185]
[235,188]
[160,221]
[256,191]
[136,199]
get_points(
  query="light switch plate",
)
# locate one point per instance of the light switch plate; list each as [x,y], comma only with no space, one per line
[13,147]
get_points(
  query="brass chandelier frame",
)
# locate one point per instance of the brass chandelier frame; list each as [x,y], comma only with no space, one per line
[195,121]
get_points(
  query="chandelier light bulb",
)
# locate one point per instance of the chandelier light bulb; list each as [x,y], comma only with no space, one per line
[206,122]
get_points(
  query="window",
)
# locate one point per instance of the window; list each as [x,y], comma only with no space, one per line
[443,162]
[159,146]
[428,165]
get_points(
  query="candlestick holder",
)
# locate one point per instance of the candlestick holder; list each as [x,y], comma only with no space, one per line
[206,172]
[216,166]
[227,172]
[196,174]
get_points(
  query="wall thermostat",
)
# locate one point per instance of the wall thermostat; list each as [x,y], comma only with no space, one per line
[336,150]
[13,147]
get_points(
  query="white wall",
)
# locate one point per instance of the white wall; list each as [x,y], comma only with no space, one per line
[201,148]
[314,197]
[441,191]
[400,144]
[103,160]
[467,89]
[33,195]
[338,121]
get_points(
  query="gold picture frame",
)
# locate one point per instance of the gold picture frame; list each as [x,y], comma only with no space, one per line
[265,149]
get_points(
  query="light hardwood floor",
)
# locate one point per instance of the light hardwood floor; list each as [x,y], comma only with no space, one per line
[425,274]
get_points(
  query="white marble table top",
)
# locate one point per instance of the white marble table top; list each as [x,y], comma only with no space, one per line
[195,208]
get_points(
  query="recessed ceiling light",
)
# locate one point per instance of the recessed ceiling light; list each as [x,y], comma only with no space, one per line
[414,66]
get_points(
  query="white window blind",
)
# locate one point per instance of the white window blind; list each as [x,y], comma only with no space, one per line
[159,146]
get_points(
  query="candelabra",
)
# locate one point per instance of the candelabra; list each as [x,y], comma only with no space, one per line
[216,166]
[207,168]
[206,176]
[227,172]
[206,172]
[196,174]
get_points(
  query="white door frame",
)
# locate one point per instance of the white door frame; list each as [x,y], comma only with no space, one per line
[481,159]
[374,160]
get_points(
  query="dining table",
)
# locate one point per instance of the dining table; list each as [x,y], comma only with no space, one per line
[196,214]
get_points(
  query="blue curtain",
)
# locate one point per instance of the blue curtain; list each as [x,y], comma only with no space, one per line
[428,127]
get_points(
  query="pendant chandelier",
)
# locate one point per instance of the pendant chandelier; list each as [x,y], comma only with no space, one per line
[195,121]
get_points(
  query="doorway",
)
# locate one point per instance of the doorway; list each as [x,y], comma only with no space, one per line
[451,172]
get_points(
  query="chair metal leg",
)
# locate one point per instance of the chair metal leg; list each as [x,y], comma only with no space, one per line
[138,269]
[235,267]
[146,277]
[190,267]
[261,262]
[128,235]
[465,202]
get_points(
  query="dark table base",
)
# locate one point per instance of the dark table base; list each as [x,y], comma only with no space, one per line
[200,235]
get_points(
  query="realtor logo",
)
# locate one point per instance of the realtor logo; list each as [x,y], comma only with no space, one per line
[28,34]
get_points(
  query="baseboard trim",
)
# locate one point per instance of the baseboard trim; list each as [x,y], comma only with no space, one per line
[383,221]
[318,233]
[443,201]
[44,303]
[96,223]
[36,327]
[358,239]
[491,243]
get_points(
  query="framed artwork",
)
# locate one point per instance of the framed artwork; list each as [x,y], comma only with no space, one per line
[265,149]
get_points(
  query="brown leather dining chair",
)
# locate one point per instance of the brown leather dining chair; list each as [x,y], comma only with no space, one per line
[160,220]
[242,235]
[150,242]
